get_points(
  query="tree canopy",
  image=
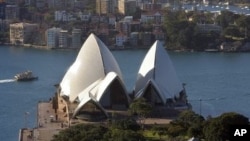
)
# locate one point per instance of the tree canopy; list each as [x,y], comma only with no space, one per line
[187,124]
[81,132]
[120,130]
[217,129]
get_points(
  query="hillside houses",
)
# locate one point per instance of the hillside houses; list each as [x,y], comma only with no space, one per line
[118,23]
[119,30]
[122,23]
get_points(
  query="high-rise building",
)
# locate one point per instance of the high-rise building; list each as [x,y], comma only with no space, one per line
[104,6]
[63,39]
[22,33]
[76,38]
[121,6]
[53,37]
[127,7]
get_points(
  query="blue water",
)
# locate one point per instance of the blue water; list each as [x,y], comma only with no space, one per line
[220,80]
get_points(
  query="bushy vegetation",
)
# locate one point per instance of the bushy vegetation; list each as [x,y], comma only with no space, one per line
[183,32]
[217,129]
[188,124]
[122,130]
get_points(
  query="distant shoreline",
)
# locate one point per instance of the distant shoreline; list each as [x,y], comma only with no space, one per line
[121,49]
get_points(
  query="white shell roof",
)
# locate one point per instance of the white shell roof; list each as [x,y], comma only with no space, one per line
[157,66]
[93,62]
[96,90]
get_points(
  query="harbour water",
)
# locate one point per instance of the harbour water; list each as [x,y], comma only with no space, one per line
[215,82]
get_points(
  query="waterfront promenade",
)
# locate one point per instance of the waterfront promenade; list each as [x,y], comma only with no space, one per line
[49,123]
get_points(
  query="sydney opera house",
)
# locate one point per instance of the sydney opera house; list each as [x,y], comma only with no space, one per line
[93,86]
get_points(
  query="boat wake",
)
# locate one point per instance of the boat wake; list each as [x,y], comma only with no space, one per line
[7,80]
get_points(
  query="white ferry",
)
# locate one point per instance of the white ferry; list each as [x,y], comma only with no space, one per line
[25,76]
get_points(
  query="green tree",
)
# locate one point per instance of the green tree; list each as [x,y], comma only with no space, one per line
[175,129]
[123,135]
[225,19]
[83,132]
[192,122]
[141,108]
[188,118]
[218,129]
[232,31]
[49,17]
[178,29]
[187,123]
[126,124]
[159,130]
[124,130]
[243,23]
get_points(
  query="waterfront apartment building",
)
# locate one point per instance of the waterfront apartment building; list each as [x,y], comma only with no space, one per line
[23,33]
[134,38]
[146,38]
[76,38]
[124,26]
[63,39]
[120,39]
[52,35]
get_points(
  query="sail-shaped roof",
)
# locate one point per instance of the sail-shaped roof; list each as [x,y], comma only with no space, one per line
[157,66]
[93,62]
[96,92]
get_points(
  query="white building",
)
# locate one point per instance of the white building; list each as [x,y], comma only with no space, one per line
[152,17]
[76,38]
[94,81]
[63,39]
[157,80]
[22,33]
[120,39]
[53,37]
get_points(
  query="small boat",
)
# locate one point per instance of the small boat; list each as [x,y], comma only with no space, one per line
[25,76]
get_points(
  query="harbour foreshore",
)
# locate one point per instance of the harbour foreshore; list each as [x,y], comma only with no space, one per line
[50,122]
[47,124]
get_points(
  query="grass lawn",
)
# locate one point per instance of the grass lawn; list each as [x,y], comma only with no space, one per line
[149,135]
